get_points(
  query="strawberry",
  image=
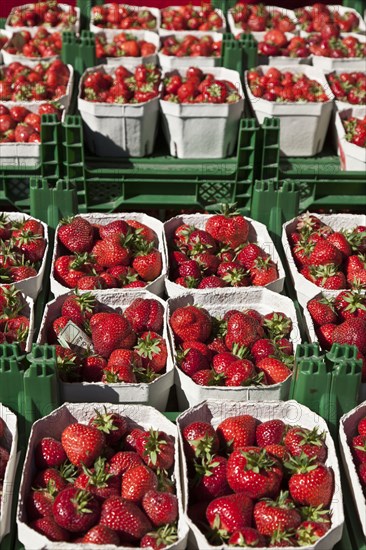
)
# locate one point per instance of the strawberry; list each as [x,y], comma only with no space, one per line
[310,442]
[280,514]
[249,253]
[2,428]
[261,349]
[189,269]
[282,539]
[191,323]
[207,377]
[233,274]
[200,440]
[200,241]
[328,276]
[278,451]
[160,508]
[247,537]
[40,501]
[49,453]
[98,480]
[111,253]
[323,253]
[148,262]
[47,478]
[254,472]
[82,444]
[156,449]
[100,534]
[322,311]
[338,240]
[359,448]
[211,282]
[270,432]
[79,307]
[30,245]
[90,282]
[237,431]
[222,361]
[125,518]
[350,304]
[352,332]
[165,536]
[240,373]
[190,361]
[76,234]
[208,263]
[277,324]
[309,532]
[75,510]
[205,351]
[123,461]
[229,227]
[143,231]
[116,373]
[49,528]
[68,365]
[263,271]
[311,483]
[361,426]
[275,371]
[210,480]
[110,331]
[112,425]
[230,513]
[137,481]
[242,330]
[325,335]
[93,367]
[144,315]
[152,349]
[69,269]
[117,228]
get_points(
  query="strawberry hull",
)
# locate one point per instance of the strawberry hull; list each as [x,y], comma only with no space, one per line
[169,62]
[347,430]
[156,286]
[155,393]
[53,425]
[290,412]
[167,32]
[149,36]
[306,289]
[258,233]
[352,156]
[11,442]
[155,12]
[217,303]
[59,28]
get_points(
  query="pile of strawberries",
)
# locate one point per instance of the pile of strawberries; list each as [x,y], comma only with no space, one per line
[244,348]
[330,259]
[191,18]
[105,482]
[4,456]
[18,124]
[122,45]
[119,16]
[14,324]
[260,484]
[276,43]
[348,87]
[191,46]
[257,18]
[122,253]
[22,246]
[285,86]
[355,130]
[336,46]
[124,347]
[341,320]
[319,17]
[220,255]
[123,86]
[42,44]
[47,13]
[45,81]
[358,447]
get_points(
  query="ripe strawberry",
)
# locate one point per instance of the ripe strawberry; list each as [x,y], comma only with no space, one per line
[49,453]
[203,348]
[242,330]
[310,442]
[137,481]
[249,253]
[275,371]
[40,501]
[90,282]
[69,269]
[152,349]
[262,349]
[112,425]
[156,449]
[210,480]
[123,461]
[361,427]
[117,228]
[148,262]
[21,272]
[82,444]
[200,241]
[352,332]
[143,231]
[237,431]
[222,361]
[247,537]
[229,227]
[359,448]
[207,377]
[76,234]
[328,276]
[350,304]
[207,262]
[49,528]
[200,440]
[93,367]
[131,439]
[322,311]
[230,513]
[75,510]
[191,323]
[110,331]
[145,314]
[190,361]
[116,373]
[310,531]
[311,483]
[100,534]
[30,245]
[111,253]
[324,253]
[160,508]
[263,271]
[338,240]
[280,514]
[282,539]
[277,324]
[125,518]
[79,307]
[325,335]
[278,451]
[240,373]
[165,536]
[98,480]
[189,269]
[270,432]
[211,282]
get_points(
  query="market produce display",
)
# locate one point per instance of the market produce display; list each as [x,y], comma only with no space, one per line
[122,45]
[277,43]
[348,87]
[19,125]
[48,14]
[355,130]
[42,44]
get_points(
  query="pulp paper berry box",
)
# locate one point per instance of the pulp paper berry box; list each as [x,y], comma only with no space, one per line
[59,28]
[352,157]
[347,430]
[188,392]
[257,233]
[169,62]
[166,32]
[155,12]
[53,425]
[156,286]
[148,36]
[32,285]
[30,61]
[291,413]
[155,393]
[11,442]
[237,30]
[306,289]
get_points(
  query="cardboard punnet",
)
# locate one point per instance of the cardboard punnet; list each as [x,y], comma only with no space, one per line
[114,129]
[148,36]
[155,393]
[291,413]
[32,285]
[236,30]
[53,425]
[332,63]
[165,32]
[303,126]
[29,61]
[352,156]
[156,286]
[170,62]
[155,12]
[258,233]
[189,393]
[10,442]
[188,126]
[59,28]
[306,289]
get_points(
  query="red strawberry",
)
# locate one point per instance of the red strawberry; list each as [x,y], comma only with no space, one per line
[324,253]
[361,427]
[114,374]
[207,377]
[49,453]
[117,228]
[359,448]
[200,241]
[112,425]
[30,245]
[111,253]
[93,367]
[280,514]
[143,231]
[240,373]
[270,432]
[310,531]
[189,269]
[79,307]
[249,254]
[200,440]
[69,269]
[322,311]
[211,282]
[325,335]
[75,510]
[311,483]
[229,228]
[161,538]
[145,314]
[338,240]
[222,361]
[351,332]
[123,461]
[207,262]
[237,431]
[261,349]
[230,513]
[82,444]
[148,262]
[39,502]
[277,324]
[275,371]
[49,528]
[49,477]
[125,518]
[191,323]
[90,282]
[350,304]
[310,442]
[98,480]
[242,330]
[152,349]
[156,449]
[210,480]
[160,508]
[279,451]
[263,271]
[203,348]
[328,276]
[191,361]
[137,481]
[111,331]
[76,234]
[100,534]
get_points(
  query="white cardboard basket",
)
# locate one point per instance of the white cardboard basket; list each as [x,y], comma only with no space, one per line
[53,425]
[148,36]
[348,63]
[189,393]
[303,126]
[156,286]
[167,32]
[154,11]
[29,61]
[118,129]
[306,290]
[74,28]
[258,233]
[237,31]
[188,127]
[170,62]
[155,393]
[11,441]
[352,156]
[291,413]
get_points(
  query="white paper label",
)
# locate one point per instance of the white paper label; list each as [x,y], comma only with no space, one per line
[71,336]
